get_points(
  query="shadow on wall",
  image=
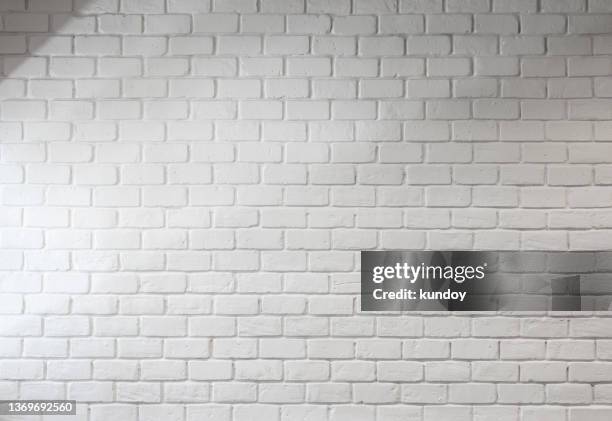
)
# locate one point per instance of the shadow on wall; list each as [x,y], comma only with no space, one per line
[42,40]
[33,32]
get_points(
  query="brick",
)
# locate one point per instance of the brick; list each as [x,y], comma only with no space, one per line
[595,413]
[472,393]
[563,6]
[252,178]
[428,45]
[354,25]
[492,66]
[496,24]
[472,6]
[543,66]
[522,349]
[449,24]
[412,24]
[588,24]
[520,393]
[543,372]
[551,24]
[420,88]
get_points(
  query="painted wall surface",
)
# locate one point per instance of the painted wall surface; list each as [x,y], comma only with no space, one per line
[185,186]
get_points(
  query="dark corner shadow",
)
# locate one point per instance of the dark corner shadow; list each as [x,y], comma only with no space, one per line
[23,36]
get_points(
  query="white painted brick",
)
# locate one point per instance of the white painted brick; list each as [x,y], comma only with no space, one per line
[564,45]
[375,46]
[284,45]
[543,412]
[481,45]
[402,24]
[228,44]
[263,23]
[31,67]
[22,369]
[449,67]
[543,66]
[349,110]
[538,110]
[400,153]
[320,128]
[261,66]
[334,89]
[543,371]
[347,326]
[354,25]
[148,6]
[376,6]
[328,392]
[524,89]
[424,393]
[563,6]
[11,131]
[400,67]
[286,88]
[104,411]
[14,44]
[420,6]
[447,371]
[97,45]
[50,89]
[449,153]
[149,46]
[468,6]
[474,392]
[217,23]
[426,131]
[571,393]
[547,24]
[520,393]
[449,23]
[376,393]
[120,24]
[502,24]
[496,66]
[377,131]
[588,371]
[589,24]
[497,109]
[441,196]
[376,174]
[428,45]
[23,110]
[22,22]
[423,88]
[307,110]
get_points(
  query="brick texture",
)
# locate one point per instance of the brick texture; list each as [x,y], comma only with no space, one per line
[185,186]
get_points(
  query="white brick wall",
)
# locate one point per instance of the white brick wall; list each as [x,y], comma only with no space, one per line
[186,185]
